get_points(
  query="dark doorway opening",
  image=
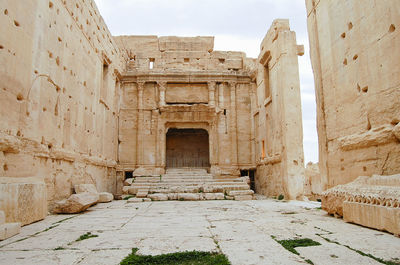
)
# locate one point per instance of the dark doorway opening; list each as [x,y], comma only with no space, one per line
[251,174]
[187,148]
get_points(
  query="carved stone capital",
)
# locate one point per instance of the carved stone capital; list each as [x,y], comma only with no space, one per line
[211,85]
[140,85]
[162,85]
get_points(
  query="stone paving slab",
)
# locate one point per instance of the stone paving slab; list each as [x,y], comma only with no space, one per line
[242,230]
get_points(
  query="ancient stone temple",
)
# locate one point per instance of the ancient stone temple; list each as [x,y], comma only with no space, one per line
[87,117]
[80,106]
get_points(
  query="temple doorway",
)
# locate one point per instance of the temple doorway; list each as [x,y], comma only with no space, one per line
[187,148]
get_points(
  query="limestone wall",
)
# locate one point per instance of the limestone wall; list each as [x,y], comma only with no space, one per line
[355,58]
[58,70]
[180,82]
[277,114]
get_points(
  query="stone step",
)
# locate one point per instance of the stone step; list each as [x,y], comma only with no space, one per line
[187,189]
[186,196]
[172,184]
[142,193]
[240,192]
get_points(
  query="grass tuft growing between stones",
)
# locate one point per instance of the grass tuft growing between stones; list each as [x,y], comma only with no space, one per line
[178,258]
[281,197]
[128,197]
[291,244]
[86,236]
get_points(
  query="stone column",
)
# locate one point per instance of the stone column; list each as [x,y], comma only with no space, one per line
[139,145]
[211,94]
[233,124]
[162,87]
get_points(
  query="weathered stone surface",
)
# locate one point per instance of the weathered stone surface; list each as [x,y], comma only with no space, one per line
[374,216]
[142,193]
[80,188]
[76,203]
[125,189]
[240,192]
[356,83]
[2,218]
[8,230]
[213,196]
[243,197]
[128,181]
[57,114]
[371,201]
[135,200]
[189,196]
[158,197]
[23,200]
[105,197]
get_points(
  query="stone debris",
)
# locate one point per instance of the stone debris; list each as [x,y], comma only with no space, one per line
[105,197]
[197,184]
[23,200]
[76,203]
[370,201]
[80,188]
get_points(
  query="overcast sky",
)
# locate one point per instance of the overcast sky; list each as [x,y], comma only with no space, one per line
[238,25]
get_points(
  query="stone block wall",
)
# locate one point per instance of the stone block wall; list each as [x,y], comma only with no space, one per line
[59,68]
[355,57]
[276,111]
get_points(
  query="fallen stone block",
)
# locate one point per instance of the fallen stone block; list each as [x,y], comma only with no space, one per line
[105,197]
[243,197]
[374,216]
[125,189]
[158,197]
[76,203]
[81,188]
[128,182]
[189,196]
[8,230]
[23,200]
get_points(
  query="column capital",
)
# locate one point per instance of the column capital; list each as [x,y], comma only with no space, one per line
[162,85]
[140,85]
[211,85]
[232,84]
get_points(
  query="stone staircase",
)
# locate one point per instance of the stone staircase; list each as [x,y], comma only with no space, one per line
[189,184]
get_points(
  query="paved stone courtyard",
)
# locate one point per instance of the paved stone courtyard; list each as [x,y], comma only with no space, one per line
[242,230]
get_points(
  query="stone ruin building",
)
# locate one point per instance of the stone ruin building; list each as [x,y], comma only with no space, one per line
[170,118]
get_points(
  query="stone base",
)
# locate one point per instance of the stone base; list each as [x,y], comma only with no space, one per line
[374,216]
[9,229]
[23,200]
[105,197]
[368,201]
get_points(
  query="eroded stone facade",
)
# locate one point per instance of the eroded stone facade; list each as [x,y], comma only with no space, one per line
[355,58]
[81,106]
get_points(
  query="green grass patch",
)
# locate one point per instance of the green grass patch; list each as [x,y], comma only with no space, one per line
[281,197]
[86,236]
[178,258]
[291,244]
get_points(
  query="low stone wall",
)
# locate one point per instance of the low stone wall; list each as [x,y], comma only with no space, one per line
[23,200]
[370,201]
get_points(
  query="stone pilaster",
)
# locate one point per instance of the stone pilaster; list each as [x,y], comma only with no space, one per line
[162,87]
[233,122]
[139,146]
[211,94]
